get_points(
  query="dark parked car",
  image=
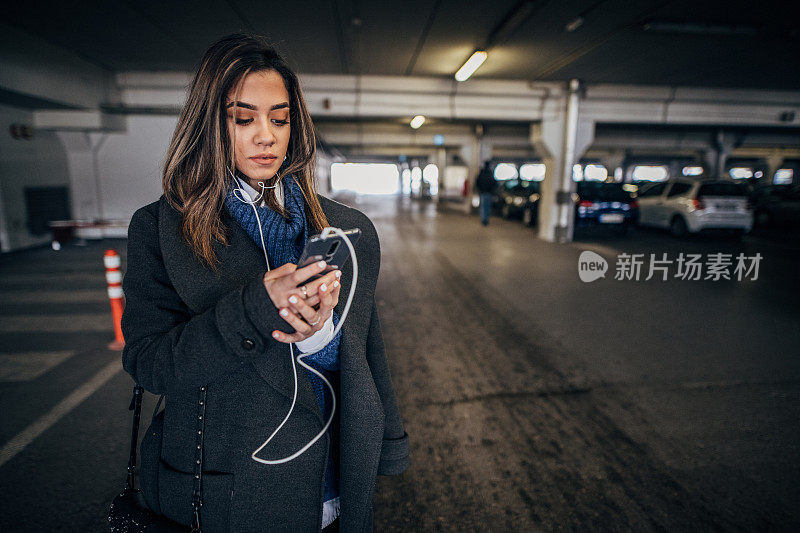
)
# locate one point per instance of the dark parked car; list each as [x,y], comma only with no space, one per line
[777,205]
[519,198]
[605,204]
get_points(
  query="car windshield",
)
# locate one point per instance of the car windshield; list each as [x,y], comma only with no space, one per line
[607,192]
[721,189]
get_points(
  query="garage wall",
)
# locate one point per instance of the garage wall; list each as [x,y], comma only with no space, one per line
[40,161]
[129,166]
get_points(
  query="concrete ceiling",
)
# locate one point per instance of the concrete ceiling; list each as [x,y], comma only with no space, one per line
[708,43]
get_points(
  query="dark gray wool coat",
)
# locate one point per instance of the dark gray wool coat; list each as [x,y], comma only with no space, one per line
[187,326]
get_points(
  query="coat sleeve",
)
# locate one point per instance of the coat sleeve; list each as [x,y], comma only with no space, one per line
[395,449]
[167,346]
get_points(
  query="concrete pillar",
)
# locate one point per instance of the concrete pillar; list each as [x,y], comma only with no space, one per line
[725,145]
[86,191]
[710,161]
[675,169]
[440,160]
[613,161]
[561,138]
[474,154]
[774,162]
[715,159]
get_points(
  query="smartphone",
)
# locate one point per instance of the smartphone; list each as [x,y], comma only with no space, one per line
[332,250]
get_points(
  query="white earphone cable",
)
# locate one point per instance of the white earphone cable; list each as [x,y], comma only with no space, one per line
[326,232]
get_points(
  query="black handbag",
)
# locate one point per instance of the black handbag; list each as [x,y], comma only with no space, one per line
[129,512]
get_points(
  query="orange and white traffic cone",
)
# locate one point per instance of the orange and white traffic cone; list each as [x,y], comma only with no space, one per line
[115,295]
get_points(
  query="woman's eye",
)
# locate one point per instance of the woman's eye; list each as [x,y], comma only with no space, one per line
[244,121]
[281,122]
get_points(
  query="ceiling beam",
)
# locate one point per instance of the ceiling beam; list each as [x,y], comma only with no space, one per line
[422,38]
[559,63]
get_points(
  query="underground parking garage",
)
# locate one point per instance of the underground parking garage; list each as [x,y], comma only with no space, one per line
[573,273]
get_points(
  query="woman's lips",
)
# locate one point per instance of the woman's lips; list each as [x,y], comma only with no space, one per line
[263,160]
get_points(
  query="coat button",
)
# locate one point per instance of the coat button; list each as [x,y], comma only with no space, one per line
[248,344]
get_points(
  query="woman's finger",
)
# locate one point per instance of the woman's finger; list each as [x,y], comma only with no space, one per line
[333,292]
[302,274]
[295,321]
[312,287]
[287,337]
[312,301]
[281,271]
[326,300]
[307,312]
[328,279]
[337,287]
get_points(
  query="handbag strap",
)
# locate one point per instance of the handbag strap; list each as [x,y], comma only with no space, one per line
[197,499]
[136,407]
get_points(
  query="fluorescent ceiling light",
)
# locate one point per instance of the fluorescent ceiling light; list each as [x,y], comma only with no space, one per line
[472,64]
[417,121]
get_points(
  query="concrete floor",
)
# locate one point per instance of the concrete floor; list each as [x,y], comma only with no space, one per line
[534,401]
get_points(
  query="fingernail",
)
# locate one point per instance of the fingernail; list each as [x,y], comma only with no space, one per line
[323,287]
[293,299]
[276,334]
[338,274]
[321,264]
[284,312]
[335,284]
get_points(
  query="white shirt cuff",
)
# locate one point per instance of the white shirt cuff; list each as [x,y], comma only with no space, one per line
[318,339]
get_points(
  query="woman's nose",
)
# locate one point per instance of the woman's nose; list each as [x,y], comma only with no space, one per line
[265,136]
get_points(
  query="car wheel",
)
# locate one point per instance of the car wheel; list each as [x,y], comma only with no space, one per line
[527,216]
[678,226]
[506,211]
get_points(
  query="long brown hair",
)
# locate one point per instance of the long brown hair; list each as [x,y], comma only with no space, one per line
[196,177]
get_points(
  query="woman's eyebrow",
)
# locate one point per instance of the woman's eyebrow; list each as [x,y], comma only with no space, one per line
[282,105]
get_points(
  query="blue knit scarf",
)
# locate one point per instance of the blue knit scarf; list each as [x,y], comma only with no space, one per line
[285,240]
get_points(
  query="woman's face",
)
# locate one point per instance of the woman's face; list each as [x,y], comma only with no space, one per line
[260,122]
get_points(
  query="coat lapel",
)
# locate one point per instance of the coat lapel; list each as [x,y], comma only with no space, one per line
[361,422]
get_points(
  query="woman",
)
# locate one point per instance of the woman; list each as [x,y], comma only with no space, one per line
[209,323]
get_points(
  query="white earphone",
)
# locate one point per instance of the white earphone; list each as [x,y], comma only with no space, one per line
[326,232]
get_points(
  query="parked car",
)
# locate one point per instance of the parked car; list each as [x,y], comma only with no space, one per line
[604,204]
[690,206]
[519,198]
[777,205]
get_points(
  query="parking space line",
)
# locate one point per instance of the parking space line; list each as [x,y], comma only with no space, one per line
[61,323]
[26,366]
[46,421]
[82,296]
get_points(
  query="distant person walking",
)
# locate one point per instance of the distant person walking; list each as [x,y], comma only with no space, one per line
[486,186]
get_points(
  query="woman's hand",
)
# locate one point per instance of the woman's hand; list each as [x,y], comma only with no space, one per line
[299,308]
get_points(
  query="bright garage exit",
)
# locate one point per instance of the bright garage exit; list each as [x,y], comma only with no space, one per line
[365,178]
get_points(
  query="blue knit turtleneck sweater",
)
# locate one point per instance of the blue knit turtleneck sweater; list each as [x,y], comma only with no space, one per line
[285,240]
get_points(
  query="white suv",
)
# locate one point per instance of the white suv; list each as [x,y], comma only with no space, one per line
[688,206]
